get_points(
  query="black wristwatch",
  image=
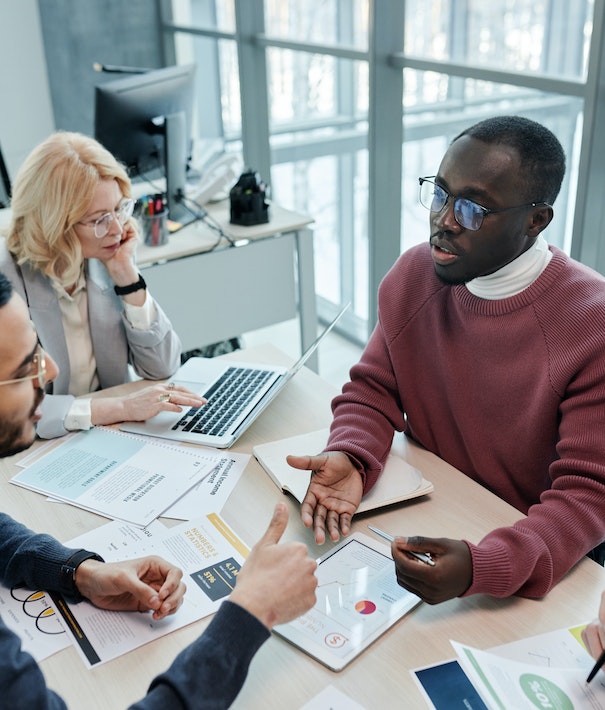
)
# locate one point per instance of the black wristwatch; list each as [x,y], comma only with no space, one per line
[131,288]
[67,582]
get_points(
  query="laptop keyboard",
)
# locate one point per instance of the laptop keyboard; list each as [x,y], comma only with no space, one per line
[227,398]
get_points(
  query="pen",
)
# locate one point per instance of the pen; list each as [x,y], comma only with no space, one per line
[422,556]
[596,667]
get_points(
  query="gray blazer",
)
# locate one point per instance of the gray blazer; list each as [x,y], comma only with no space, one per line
[154,354]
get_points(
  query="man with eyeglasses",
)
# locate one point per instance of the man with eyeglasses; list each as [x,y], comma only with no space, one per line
[489,352]
[276,584]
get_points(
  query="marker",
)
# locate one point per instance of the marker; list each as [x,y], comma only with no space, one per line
[422,556]
[596,667]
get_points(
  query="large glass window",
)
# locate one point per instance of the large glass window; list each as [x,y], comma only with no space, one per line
[461,61]
[546,36]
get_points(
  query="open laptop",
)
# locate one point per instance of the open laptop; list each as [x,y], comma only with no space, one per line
[237,392]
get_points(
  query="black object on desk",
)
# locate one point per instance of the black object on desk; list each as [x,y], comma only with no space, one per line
[247,198]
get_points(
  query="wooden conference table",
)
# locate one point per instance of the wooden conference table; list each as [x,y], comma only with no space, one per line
[281,677]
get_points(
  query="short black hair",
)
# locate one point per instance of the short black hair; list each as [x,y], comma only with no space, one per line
[541,153]
[6,290]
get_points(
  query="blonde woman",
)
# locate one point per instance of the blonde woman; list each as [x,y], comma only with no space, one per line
[69,253]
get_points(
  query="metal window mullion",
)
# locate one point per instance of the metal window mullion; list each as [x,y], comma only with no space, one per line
[589,214]
[536,81]
[346,225]
[252,65]
[384,155]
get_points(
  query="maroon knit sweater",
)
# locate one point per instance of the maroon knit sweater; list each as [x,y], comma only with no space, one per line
[511,392]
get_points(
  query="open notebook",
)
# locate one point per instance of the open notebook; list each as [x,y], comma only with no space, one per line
[398,482]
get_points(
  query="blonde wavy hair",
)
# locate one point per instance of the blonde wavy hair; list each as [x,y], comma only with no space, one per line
[51,193]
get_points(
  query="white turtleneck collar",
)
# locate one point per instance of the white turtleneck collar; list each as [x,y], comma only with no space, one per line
[514,277]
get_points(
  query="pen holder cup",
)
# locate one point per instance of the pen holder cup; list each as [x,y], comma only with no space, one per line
[155,228]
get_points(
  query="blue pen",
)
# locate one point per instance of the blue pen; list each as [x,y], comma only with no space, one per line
[422,556]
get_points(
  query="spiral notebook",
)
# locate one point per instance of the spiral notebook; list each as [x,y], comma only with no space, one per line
[398,482]
[117,475]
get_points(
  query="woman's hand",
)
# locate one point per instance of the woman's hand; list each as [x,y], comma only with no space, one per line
[121,261]
[594,634]
[144,404]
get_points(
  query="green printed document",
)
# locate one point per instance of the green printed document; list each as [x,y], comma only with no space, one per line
[546,671]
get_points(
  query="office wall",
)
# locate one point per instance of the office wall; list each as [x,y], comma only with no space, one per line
[26,115]
[47,49]
[78,33]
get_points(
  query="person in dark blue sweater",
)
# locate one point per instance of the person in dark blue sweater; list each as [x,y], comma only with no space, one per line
[276,584]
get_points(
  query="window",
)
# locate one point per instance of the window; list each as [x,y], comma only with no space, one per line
[304,112]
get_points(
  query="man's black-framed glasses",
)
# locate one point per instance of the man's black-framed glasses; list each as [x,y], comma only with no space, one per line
[467,213]
[37,370]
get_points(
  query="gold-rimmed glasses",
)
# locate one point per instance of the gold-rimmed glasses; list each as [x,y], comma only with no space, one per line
[37,367]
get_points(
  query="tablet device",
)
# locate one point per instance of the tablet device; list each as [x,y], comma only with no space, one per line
[358,599]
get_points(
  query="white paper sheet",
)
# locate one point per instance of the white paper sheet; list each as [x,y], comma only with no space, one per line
[207,551]
[211,493]
[331,698]
[30,615]
[506,683]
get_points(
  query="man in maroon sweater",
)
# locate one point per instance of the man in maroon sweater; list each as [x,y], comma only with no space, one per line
[490,352]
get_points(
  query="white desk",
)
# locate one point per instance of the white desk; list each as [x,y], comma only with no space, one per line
[213,294]
[281,677]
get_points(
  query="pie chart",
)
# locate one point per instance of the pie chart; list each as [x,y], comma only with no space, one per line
[365,606]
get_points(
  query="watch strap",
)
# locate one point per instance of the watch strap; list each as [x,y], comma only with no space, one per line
[131,288]
[68,573]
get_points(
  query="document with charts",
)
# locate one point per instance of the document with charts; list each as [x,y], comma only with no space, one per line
[117,475]
[29,613]
[398,482]
[548,670]
[358,599]
[207,550]
[505,683]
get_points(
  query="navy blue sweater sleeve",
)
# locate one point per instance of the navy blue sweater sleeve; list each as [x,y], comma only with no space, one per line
[30,559]
[35,562]
[210,672]
[22,684]
[207,674]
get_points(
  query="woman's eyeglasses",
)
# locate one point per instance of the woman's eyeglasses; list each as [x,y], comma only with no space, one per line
[122,213]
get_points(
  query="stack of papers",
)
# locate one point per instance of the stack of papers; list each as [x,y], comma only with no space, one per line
[118,475]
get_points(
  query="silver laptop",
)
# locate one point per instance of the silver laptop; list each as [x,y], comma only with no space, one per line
[237,392]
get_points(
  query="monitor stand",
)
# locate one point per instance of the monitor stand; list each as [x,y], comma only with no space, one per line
[175,145]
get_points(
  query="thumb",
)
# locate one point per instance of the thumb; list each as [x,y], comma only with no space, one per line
[306,463]
[276,527]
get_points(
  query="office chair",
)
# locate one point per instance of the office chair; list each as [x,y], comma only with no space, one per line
[5,183]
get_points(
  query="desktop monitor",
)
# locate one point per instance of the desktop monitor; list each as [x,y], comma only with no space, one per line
[145,120]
